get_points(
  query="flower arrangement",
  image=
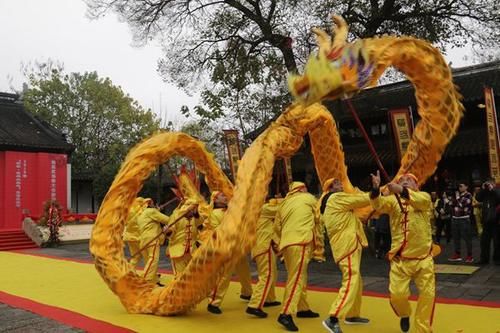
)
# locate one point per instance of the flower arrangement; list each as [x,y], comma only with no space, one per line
[52,219]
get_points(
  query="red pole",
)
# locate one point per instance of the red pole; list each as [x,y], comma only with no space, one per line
[370,145]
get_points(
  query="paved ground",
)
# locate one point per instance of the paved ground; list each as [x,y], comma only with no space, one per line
[14,320]
[483,285]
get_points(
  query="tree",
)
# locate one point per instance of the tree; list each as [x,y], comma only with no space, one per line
[98,118]
[201,37]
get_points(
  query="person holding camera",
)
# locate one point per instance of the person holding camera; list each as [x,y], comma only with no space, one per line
[489,196]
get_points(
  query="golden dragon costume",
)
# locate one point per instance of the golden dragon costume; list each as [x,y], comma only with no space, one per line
[339,68]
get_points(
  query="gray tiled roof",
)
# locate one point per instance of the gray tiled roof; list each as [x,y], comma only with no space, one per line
[22,131]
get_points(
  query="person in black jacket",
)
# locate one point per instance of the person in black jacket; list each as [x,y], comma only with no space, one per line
[489,196]
[443,217]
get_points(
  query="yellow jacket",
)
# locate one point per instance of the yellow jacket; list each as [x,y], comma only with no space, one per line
[150,222]
[215,218]
[411,230]
[345,230]
[211,222]
[132,232]
[295,220]
[184,233]
[265,229]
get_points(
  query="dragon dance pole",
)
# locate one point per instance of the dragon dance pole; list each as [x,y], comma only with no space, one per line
[370,145]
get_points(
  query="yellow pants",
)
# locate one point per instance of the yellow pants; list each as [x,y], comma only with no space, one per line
[348,301]
[242,269]
[180,264]
[422,272]
[479,225]
[264,290]
[151,265]
[134,247]
[296,259]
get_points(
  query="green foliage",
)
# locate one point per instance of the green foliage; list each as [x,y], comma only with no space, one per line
[99,119]
[238,53]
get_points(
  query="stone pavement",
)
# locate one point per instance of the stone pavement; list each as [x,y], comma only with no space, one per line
[14,320]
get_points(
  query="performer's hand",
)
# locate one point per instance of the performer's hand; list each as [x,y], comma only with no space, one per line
[275,247]
[395,188]
[376,180]
[167,231]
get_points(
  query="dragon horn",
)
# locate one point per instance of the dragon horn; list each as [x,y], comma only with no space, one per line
[340,29]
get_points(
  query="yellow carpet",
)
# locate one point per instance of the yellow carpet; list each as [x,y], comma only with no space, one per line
[455,269]
[77,287]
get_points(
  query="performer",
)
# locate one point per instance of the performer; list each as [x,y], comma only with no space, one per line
[347,238]
[411,251]
[184,223]
[263,255]
[477,210]
[131,234]
[242,268]
[294,229]
[150,224]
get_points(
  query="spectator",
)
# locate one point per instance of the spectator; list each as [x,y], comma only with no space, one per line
[489,196]
[461,222]
[443,218]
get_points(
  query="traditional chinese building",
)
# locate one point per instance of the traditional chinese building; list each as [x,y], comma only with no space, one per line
[34,164]
[466,157]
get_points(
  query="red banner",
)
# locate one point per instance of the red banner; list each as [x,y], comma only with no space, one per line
[27,180]
[493,135]
[402,129]
[233,150]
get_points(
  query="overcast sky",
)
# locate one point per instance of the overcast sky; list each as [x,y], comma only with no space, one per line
[58,29]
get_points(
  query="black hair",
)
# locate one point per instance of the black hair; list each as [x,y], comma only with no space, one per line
[323,202]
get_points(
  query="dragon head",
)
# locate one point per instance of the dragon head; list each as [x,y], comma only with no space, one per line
[337,69]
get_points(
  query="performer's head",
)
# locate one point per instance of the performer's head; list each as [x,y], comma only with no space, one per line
[297,187]
[219,199]
[149,202]
[462,187]
[333,185]
[408,180]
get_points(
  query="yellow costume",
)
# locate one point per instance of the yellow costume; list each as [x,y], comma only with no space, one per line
[478,214]
[339,68]
[182,241]
[265,258]
[132,234]
[410,255]
[347,238]
[242,268]
[294,232]
[150,222]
